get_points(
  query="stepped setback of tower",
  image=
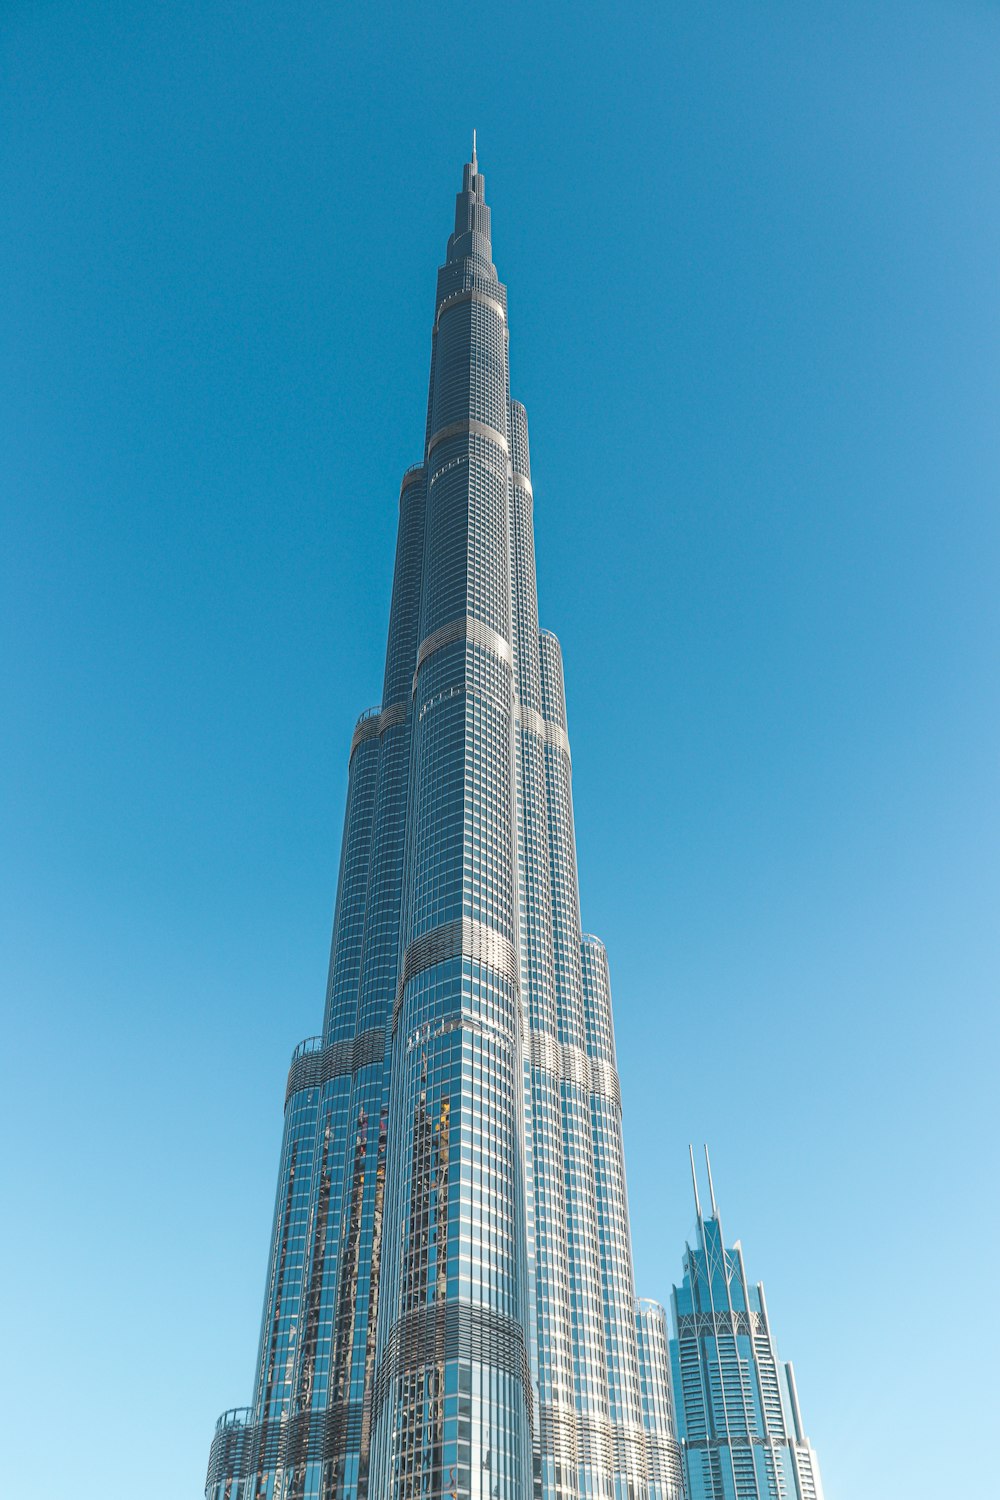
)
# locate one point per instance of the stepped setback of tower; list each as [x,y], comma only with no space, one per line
[449,1308]
[737,1407]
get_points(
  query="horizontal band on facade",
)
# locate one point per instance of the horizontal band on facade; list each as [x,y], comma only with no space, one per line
[709,1324]
[593,1441]
[464,628]
[430,1335]
[522,483]
[472,295]
[569,1064]
[312,1069]
[557,1432]
[546,729]
[469,460]
[413,475]
[604,1081]
[428,1031]
[663,1461]
[375,721]
[468,427]
[745,1440]
[630,1450]
[462,938]
[241,1449]
[575,1067]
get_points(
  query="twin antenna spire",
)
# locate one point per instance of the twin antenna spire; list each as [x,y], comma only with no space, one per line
[711,1184]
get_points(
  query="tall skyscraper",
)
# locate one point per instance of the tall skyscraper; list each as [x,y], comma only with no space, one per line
[737,1407]
[449,1307]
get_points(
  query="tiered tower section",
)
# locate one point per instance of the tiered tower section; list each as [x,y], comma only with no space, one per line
[450,1309]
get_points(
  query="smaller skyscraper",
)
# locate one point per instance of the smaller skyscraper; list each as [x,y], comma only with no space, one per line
[738,1415]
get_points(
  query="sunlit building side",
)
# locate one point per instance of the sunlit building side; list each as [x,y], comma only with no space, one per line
[449,1306]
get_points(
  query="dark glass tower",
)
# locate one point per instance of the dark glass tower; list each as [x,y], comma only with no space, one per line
[449,1309]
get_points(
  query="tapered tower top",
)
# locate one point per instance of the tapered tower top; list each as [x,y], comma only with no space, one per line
[472,215]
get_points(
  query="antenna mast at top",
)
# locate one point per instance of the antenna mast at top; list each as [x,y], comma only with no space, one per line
[711,1184]
[694,1183]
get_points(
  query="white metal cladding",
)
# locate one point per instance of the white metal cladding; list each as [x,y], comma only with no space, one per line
[374,722]
[472,295]
[462,629]
[467,426]
[449,1309]
[462,938]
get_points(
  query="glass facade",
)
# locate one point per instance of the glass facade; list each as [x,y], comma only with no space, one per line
[737,1408]
[449,1308]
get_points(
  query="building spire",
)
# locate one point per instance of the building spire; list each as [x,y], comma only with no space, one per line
[711,1185]
[472,216]
[694,1182]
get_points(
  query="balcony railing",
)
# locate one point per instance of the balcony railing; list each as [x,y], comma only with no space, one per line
[236,1416]
[311,1044]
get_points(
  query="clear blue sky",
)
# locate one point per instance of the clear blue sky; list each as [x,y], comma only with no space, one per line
[752,254]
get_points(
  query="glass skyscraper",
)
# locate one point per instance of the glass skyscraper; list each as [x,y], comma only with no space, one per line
[737,1407]
[449,1307]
